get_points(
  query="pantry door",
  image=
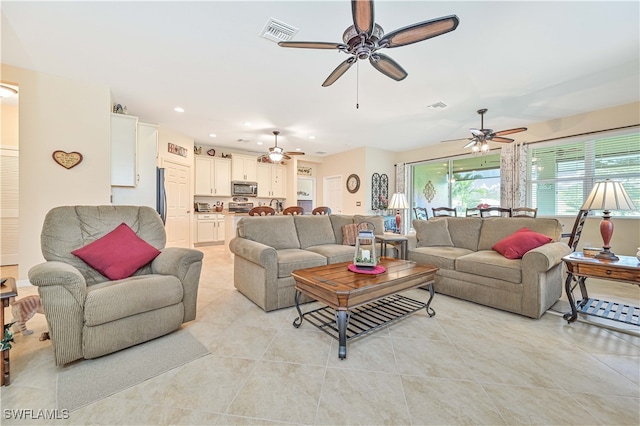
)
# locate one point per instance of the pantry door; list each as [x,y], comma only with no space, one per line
[177,181]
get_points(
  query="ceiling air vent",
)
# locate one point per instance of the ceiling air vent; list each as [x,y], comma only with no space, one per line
[437,105]
[278,31]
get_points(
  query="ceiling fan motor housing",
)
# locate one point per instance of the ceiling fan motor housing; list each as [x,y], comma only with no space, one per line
[361,45]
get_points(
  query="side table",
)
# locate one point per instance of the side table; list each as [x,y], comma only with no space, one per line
[395,240]
[8,290]
[581,267]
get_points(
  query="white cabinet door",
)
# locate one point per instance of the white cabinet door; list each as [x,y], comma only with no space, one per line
[220,225]
[264,180]
[243,167]
[204,176]
[206,231]
[123,150]
[222,177]
[279,181]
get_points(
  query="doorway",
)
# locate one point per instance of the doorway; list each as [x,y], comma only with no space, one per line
[332,193]
[306,195]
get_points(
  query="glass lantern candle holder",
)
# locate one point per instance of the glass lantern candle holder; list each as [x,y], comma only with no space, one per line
[365,257]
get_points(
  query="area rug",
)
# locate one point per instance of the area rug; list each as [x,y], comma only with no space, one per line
[91,380]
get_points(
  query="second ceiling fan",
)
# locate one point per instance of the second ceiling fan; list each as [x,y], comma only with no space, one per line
[276,153]
[364,38]
[481,137]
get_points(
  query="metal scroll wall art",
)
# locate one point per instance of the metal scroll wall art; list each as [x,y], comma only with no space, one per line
[379,191]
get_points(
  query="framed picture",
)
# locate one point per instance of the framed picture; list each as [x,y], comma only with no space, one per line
[305,171]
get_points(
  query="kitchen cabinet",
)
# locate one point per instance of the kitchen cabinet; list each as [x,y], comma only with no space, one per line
[213,176]
[210,228]
[124,139]
[243,167]
[272,180]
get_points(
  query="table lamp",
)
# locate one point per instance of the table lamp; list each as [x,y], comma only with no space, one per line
[607,196]
[398,202]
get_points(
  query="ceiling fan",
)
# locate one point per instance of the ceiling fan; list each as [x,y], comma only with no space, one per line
[481,137]
[364,38]
[276,153]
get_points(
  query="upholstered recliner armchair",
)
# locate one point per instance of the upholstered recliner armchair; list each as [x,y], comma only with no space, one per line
[90,315]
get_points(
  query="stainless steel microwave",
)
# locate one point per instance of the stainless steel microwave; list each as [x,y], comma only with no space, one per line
[244,189]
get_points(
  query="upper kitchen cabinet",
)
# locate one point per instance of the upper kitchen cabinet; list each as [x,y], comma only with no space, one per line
[213,176]
[243,167]
[272,180]
[124,141]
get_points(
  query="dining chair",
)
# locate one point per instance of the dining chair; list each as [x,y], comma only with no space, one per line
[421,213]
[262,211]
[472,212]
[321,210]
[293,210]
[495,212]
[444,211]
[524,212]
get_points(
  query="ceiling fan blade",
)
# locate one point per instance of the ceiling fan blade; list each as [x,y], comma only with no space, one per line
[362,11]
[337,73]
[457,140]
[471,143]
[294,153]
[510,131]
[312,45]
[501,139]
[420,31]
[387,66]
[285,156]
[476,132]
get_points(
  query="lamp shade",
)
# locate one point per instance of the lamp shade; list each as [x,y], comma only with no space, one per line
[608,195]
[398,201]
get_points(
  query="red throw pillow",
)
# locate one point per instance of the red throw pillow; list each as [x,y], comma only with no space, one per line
[118,254]
[517,244]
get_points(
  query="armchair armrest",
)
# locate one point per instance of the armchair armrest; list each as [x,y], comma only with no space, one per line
[57,273]
[186,265]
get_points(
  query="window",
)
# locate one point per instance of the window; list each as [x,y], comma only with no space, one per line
[457,182]
[562,175]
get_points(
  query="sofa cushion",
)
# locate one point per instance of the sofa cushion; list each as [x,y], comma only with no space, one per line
[488,263]
[118,254]
[278,232]
[442,257]
[335,253]
[113,300]
[377,221]
[464,231]
[314,230]
[495,229]
[337,222]
[432,233]
[517,244]
[291,259]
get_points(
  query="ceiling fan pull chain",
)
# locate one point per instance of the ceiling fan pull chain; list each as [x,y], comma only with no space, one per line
[357,84]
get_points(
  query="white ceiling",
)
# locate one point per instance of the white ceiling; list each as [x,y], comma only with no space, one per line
[526,61]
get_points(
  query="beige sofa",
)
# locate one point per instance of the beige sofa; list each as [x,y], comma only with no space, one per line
[267,249]
[469,269]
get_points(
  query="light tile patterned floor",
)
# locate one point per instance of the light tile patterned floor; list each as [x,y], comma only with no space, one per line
[467,365]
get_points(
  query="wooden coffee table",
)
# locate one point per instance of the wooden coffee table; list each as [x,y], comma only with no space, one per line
[360,303]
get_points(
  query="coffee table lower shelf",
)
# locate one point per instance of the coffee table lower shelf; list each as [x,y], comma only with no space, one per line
[610,310]
[366,318]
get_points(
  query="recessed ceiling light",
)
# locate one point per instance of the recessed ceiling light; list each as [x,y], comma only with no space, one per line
[213,135]
[298,149]
[312,137]
[178,109]
[247,124]
[259,143]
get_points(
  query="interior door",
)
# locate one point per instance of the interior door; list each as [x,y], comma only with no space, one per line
[332,193]
[177,183]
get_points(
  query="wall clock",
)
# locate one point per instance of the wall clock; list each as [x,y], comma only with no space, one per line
[353,183]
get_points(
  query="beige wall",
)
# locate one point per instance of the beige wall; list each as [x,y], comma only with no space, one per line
[58,114]
[9,126]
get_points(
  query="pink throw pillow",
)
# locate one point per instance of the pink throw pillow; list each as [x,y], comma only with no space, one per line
[517,244]
[118,254]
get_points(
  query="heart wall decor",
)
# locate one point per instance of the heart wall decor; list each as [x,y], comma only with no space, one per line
[67,159]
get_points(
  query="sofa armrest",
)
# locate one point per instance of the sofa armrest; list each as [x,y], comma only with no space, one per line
[545,257]
[186,265]
[412,241]
[255,252]
[63,291]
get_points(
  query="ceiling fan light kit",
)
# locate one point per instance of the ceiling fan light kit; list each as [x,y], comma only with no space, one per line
[364,38]
[276,153]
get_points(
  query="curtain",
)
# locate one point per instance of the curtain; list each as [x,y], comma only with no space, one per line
[513,173]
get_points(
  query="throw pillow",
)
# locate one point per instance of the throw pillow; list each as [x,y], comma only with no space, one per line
[432,233]
[118,254]
[350,232]
[517,244]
